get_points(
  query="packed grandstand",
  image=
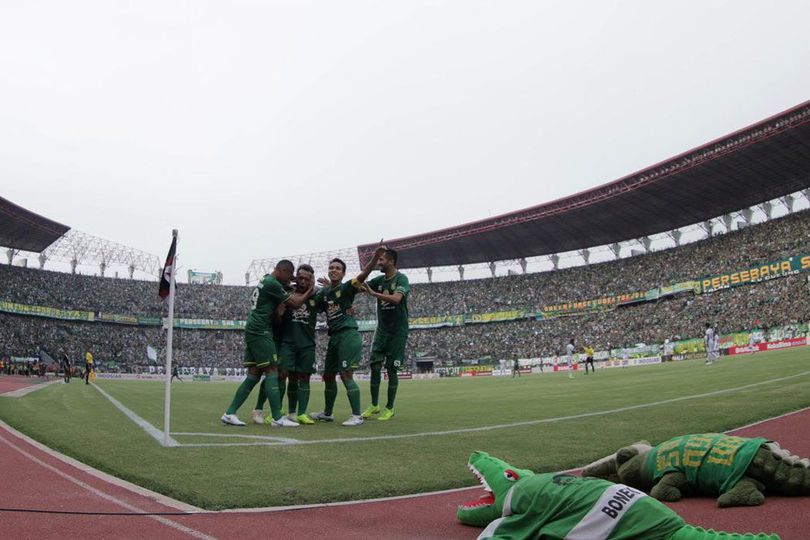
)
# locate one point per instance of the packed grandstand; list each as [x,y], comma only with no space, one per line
[750,280]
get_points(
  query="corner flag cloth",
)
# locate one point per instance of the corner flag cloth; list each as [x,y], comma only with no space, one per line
[168,271]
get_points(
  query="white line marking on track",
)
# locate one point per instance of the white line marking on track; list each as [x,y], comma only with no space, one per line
[157,497]
[511,425]
[20,392]
[151,430]
[106,496]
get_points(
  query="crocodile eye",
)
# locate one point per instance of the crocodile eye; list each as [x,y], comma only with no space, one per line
[511,475]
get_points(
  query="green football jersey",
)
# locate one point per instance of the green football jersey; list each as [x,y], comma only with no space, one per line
[267,295]
[298,327]
[712,462]
[559,506]
[335,301]
[392,319]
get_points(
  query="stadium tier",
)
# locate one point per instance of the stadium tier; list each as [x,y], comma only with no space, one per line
[642,299]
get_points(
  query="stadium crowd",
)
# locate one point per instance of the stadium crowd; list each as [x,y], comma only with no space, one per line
[736,250]
[771,303]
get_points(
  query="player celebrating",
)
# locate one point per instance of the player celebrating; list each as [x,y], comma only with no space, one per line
[345,347]
[260,349]
[391,291]
[297,351]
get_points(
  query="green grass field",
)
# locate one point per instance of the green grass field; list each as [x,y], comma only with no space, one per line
[413,452]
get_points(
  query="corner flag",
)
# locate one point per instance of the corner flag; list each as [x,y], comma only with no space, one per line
[168,270]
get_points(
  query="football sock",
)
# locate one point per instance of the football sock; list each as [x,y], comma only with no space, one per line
[329,395]
[273,394]
[393,384]
[242,393]
[303,393]
[353,393]
[376,377]
[282,385]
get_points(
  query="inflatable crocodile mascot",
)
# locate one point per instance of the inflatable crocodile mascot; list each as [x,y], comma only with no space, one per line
[738,470]
[519,504]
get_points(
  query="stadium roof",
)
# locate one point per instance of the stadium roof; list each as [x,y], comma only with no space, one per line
[24,230]
[756,164]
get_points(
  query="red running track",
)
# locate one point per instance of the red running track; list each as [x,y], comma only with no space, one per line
[36,478]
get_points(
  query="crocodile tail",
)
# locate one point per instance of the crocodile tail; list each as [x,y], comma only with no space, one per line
[688,532]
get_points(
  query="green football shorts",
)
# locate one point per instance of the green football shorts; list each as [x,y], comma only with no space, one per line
[260,351]
[299,360]
[389,349]
[344,351]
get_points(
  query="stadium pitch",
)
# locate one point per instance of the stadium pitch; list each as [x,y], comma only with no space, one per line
[546,422]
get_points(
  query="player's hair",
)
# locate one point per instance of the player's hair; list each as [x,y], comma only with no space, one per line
[392,254]
[306,268]
[343,264]
[285,264]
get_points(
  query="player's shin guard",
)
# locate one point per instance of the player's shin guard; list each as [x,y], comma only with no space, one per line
[376,378]
[292,391]
[242,393]
[303,392]
[273,395]
[393,384]
[353,393]
[329,394]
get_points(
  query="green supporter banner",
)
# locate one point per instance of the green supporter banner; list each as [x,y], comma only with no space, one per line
[756,273]
[599,304]
[118,319]
[677,288]
[209,324]
[497,316]
[686,346]
[43,311]
[436,322]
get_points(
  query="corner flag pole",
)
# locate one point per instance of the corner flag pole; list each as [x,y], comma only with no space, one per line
[167,392]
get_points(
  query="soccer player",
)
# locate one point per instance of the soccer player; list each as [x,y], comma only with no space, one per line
[569,358]
[66,366]
[516,368]
[391,291]
[260,349]
[297,350]
[589,358]
[709,341]
[716,342]
[345,347]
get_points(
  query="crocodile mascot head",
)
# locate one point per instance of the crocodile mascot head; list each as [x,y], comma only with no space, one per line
[496,477]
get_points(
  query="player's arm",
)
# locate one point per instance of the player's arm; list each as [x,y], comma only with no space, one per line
[370,265]
[296,300]
[394,298]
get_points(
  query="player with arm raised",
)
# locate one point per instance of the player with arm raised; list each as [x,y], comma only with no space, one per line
[260,349]
[345,347]
[391,291]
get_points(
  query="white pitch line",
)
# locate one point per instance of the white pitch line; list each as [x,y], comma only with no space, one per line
[151,430]
[237,436]
[106,496]
[511,425]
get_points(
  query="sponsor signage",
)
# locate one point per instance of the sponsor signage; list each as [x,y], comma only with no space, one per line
[768,346]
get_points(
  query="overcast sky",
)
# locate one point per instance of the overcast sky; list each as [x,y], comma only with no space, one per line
[269,128]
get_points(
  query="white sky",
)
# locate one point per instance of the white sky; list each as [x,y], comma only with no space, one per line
[268,128]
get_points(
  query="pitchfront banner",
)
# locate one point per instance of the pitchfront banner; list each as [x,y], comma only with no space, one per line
[769,346]
[756,273]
